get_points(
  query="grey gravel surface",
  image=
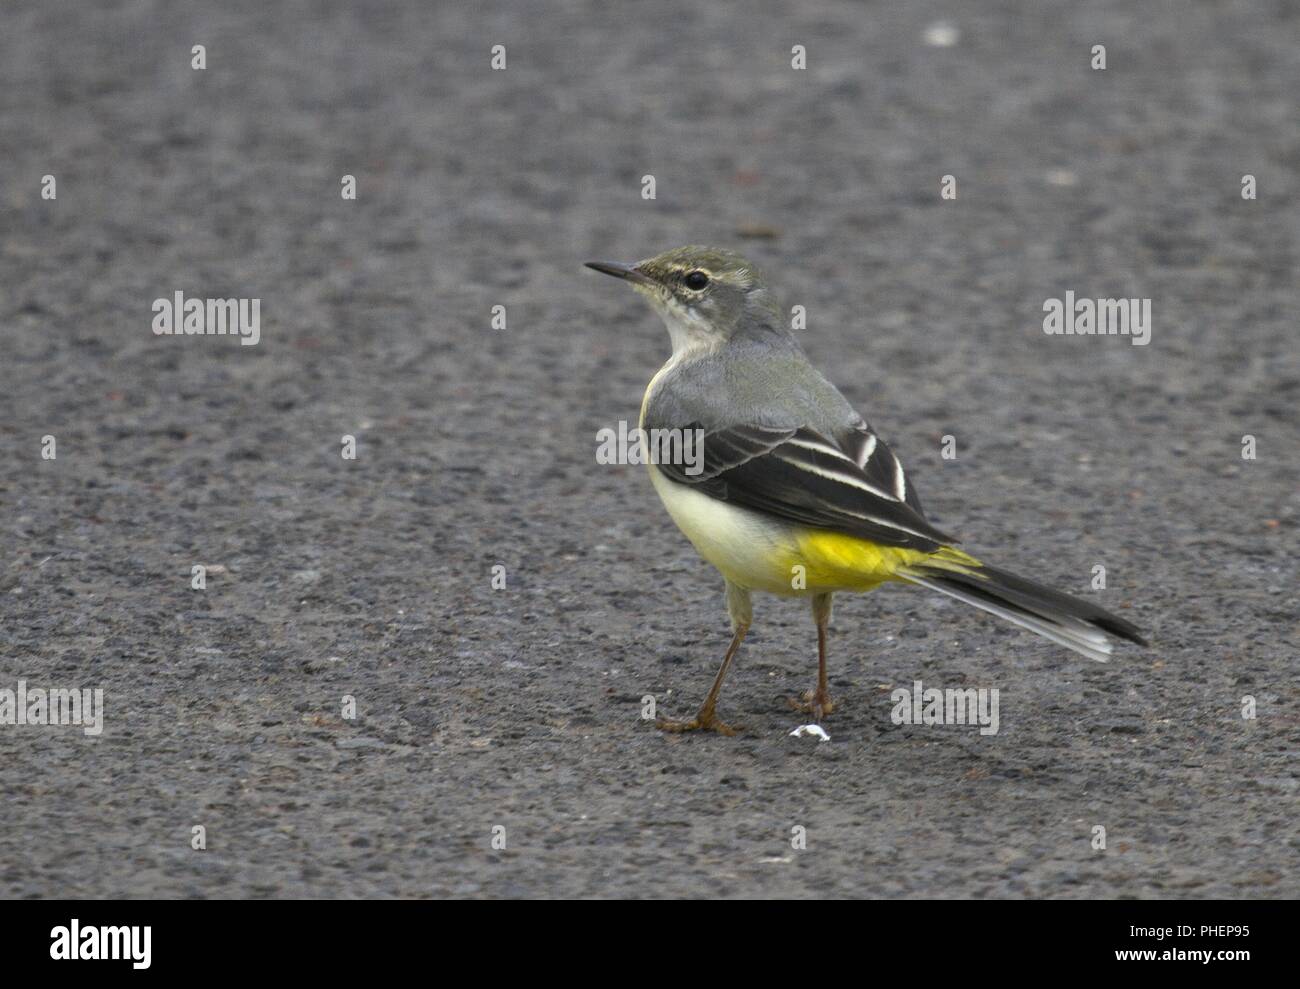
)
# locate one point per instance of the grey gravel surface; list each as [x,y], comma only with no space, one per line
[521,708]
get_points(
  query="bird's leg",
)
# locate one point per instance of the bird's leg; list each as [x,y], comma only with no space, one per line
[818,702]
[706,718]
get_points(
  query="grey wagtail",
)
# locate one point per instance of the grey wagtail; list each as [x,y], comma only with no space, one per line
[797,495]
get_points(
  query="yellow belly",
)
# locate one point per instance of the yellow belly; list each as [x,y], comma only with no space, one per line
[763,554]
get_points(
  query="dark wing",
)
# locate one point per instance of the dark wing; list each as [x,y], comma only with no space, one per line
[801,476]
[878,462]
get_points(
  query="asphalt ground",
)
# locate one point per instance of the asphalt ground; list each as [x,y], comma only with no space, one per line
[480,709]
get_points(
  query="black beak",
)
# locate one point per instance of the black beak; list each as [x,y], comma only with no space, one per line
[624,271]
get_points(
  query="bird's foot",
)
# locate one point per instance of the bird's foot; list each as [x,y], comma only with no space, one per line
[816,703]
[703,721]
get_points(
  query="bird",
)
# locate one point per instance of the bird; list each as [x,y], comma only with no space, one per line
[792,492]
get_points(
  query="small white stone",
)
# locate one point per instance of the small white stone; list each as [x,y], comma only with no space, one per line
[942,34]
[815,731]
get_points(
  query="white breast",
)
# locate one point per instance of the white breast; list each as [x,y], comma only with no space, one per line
[748,548]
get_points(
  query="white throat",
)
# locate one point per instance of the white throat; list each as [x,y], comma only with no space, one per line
[690,333]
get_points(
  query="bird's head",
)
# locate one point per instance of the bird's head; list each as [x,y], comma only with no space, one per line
[705,295]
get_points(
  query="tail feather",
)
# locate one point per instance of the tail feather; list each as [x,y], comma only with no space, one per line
[1067,621]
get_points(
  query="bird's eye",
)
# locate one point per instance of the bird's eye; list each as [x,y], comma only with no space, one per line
[696,280]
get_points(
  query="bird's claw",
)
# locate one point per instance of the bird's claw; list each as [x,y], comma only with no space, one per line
[704,721]
[817,704]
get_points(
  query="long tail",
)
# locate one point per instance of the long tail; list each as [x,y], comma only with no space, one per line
[1065,620]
